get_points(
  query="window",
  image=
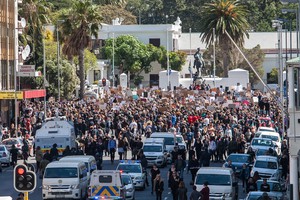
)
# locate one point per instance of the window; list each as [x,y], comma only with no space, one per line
[154,41]
[105,179]
[213,179]
[61,173]
[152,148]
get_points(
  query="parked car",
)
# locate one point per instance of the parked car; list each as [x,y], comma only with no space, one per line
[16,141]
[275,187]
[257,195]
[129,187]
[5,157]
[238,159]
[275,137]
[263,143]
[267,167]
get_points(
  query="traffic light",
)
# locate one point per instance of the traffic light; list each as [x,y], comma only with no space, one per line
[24,180]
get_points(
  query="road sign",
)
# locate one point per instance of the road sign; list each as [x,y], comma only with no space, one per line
[11,95]
[26,70]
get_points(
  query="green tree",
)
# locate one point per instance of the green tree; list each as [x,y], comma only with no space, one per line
[224,15]
[273,78]
[176,59]
[90,61]
[82,21]
[134,55]
[36,13]
[110,12]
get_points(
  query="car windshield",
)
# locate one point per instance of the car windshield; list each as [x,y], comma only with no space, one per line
[265,164]
[130,168]
[168,140]
[272,137]
[179,139]
[239,158]
[213,179]
[65,172]
[2,148]
[274,186]
[261,152]
[126,180]
[262,142]
[151,148]
[259,197]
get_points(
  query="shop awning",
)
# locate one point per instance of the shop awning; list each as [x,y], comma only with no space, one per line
[29,94]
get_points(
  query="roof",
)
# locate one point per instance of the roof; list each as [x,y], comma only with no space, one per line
[77,157]
[64,164]
[266,158]
[214,170]
[105,171]
[238,70]
[293,61]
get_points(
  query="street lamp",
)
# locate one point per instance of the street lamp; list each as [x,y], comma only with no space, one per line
[58,55]
[278,24]
[284,11]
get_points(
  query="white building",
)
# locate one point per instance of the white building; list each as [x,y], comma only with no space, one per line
[170,36]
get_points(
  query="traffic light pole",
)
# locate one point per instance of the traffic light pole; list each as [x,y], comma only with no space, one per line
[26,196]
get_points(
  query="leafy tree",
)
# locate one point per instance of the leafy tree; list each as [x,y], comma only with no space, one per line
[176,59]
[36,14]
[90,61]
[133,55]
[273,76]
[81,22]
[120,3]
[225,16]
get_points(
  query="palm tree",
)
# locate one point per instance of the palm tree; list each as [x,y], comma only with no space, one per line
[224,15]
[83,21]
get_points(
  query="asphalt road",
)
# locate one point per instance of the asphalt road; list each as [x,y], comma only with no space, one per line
[7,189]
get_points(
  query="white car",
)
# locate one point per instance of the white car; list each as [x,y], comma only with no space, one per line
[180,141]
[5,157]
[275,137]
[267,129]
[134,169]
[129,187]
[267,167]
[263,143]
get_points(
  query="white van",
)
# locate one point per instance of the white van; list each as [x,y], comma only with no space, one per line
[65,180]
[275,137]
[221,182]
[170,139]
[89,161]
[56,131]
[155,151]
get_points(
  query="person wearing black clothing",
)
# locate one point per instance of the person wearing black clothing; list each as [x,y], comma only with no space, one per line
[53,152]
[174,185]
[174,154]
[265,187]
[153,173]
[14,155]
[193,166]
[144,164]
[251,185]
[192,152]
[205,158]
[198,147]
[159,187]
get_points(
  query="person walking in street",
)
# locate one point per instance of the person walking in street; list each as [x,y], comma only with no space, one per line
[193,166]
[174,185]
[153,173]
[120,148]
[14,155]
[195,195]
[180,164]
[112,145]
[205,191]
[38,157]
[182,191]
[159,187]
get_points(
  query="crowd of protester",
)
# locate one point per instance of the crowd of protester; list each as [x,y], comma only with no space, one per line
[106,128]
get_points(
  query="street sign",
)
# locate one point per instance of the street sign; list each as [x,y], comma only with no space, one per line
[26,70]
[11,95]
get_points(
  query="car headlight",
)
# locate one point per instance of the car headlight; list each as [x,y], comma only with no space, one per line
[46,187]
[74,186]
[130,190]
[227,194]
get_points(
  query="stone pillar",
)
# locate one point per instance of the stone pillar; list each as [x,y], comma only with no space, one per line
[294,176]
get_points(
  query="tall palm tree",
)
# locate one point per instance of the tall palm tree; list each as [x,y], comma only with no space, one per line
[83,21]
[224,15]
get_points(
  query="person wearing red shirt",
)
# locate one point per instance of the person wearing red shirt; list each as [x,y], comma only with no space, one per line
[205,191]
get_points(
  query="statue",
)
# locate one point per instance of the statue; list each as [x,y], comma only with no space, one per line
[198,62]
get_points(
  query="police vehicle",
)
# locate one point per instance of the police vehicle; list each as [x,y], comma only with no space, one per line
[106,184]
[135,170]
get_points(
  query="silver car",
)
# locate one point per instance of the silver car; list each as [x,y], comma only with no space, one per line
[5,157]
[129,187]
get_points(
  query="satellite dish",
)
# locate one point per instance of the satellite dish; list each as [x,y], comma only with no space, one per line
[26,52]
[23,22]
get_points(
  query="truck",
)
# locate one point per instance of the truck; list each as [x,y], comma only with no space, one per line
[155,151]
[106,184]
[56,130]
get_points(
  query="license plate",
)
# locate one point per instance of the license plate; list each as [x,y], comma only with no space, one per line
[59,196]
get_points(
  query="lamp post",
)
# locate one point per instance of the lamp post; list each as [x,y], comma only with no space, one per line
[278,24]
[284,11]
[168,64]
[58,56]
[113,61]
[44,74]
